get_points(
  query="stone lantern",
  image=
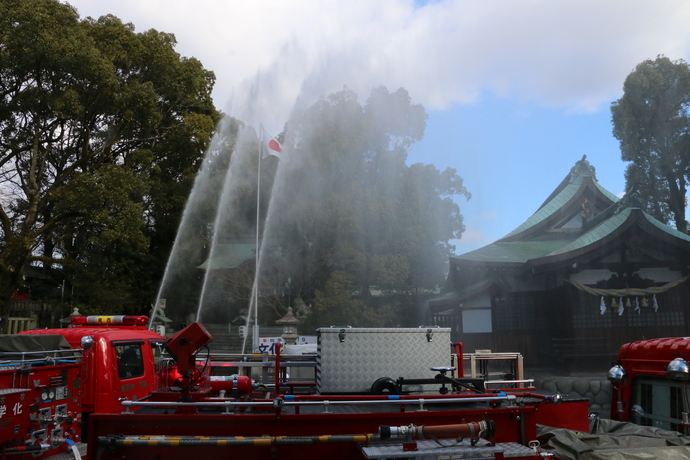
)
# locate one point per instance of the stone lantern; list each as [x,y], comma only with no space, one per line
[289,323]
[68,320]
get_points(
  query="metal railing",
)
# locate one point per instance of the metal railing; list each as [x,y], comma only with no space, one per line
[326,402]
[262,366]
[42,357]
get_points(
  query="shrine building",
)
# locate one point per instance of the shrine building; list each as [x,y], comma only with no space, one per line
[584,274]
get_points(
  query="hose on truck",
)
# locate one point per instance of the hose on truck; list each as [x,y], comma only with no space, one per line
[474,430]
[75,449]
[206,441]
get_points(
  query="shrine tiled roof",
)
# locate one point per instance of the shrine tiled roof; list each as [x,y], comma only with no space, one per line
[600,231]
[512,252]
[529,243]
[229,255]
[570,186]
[667,228]
[452,299]
[611,224]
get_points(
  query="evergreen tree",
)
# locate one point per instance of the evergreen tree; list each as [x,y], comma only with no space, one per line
[652,123]
[100,130]
[362,231]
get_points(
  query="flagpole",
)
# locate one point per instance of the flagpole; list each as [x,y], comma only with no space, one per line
[256,269]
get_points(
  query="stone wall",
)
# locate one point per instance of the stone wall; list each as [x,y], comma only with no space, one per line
[597,390]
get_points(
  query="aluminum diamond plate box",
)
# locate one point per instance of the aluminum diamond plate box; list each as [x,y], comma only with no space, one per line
[350,360]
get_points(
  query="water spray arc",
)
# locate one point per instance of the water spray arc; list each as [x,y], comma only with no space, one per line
[223,211]
[218,187]
[203,191]
[269,146]
[177,254]
[345,216]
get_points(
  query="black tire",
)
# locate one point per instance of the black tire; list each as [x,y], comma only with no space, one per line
[383,386]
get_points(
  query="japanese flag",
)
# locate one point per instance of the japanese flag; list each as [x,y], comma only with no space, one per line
[271,147]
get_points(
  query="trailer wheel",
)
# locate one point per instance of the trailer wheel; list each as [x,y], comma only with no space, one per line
[384,385]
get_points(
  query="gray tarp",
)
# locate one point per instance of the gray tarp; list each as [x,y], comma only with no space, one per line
[611,440]
[12,346]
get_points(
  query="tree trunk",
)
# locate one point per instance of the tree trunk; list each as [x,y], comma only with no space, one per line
[13,260]
[677,202]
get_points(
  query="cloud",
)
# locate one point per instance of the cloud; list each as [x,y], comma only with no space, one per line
[571,53]
[471,240]
[475,235]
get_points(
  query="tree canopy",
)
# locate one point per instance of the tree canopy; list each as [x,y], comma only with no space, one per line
[101,129]
[652,123]
[362,231]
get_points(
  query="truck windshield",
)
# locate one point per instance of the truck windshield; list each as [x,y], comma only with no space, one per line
[657,401]
[130,363]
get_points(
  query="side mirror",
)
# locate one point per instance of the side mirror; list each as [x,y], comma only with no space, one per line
[616,374]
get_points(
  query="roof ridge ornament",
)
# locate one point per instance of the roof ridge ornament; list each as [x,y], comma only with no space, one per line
[629,200]
[583,168]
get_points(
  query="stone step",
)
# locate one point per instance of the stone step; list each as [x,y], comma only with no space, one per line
[228,340]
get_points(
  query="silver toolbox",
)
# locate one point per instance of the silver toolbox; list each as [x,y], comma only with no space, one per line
[350,360]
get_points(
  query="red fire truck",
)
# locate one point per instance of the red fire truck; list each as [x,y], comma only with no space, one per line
[650,383]
[51,380]
[193,414]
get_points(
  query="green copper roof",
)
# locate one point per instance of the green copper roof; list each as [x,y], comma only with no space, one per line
[232,254]
[608,194]
[552,206]
[667,229]
[516,252]
[597,233]
[452,299]
[519,246]
[229,255]
[563,194]
[612,223]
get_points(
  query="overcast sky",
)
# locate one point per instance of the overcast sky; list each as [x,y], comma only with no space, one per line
[516,90]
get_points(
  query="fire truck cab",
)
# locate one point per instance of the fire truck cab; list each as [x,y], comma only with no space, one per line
[51,380]
[650,383]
